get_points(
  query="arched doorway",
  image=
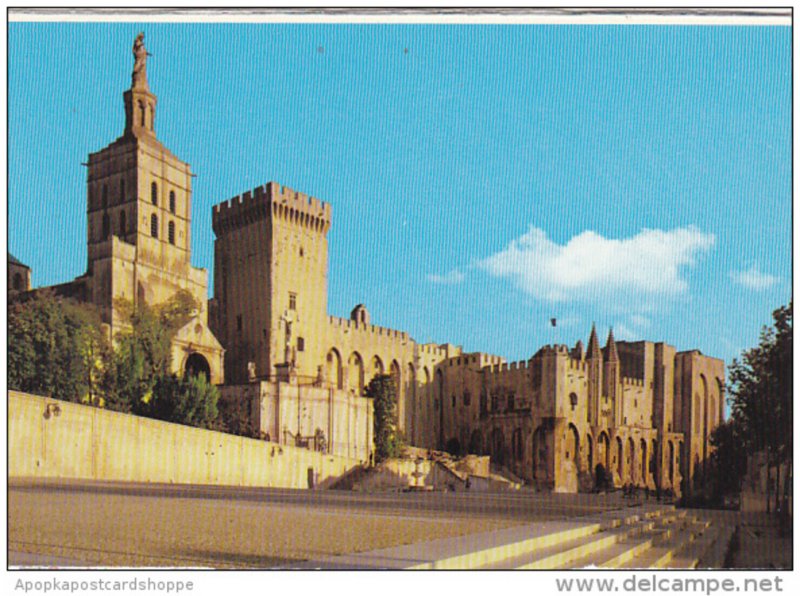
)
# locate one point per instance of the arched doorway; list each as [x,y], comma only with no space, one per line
[498,447]
[540,454]
[476,442]
[411,409]
[197,365]
[604,451]
[573,446]
[376,368]
[671,463]
[355,373]
[631,460]
[645,460]
[334,368]
[517,447]
[589,453]
[438,402]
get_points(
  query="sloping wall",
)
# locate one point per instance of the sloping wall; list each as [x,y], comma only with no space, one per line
[56,439]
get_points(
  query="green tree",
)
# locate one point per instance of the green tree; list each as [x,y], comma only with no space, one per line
[388,440]
[191,401]
[143,356]
[728,460]
[760,395]
[56,347]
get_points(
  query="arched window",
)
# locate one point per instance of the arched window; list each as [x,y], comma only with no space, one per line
[154,225]
[122,223]
[154,193]
[171,232]
[121,190]
[573,400]
[172,201]
[106,225]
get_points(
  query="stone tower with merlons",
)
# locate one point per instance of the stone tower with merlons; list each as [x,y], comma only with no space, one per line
[139,213]
[271,282]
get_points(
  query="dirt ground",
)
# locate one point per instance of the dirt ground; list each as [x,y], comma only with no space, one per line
[130,531]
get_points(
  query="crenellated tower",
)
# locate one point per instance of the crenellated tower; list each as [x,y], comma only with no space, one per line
[271,282]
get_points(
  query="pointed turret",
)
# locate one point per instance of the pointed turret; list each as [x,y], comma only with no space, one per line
[593,351]
[577,351]
[140,104]
[611,348]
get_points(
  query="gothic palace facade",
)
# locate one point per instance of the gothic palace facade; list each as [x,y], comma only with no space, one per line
[641,412]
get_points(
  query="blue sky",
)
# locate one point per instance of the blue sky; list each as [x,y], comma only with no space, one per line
[483,178]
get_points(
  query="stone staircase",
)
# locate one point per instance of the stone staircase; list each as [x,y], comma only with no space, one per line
[643,537]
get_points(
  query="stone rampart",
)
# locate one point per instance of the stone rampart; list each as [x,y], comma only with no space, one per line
[48,438]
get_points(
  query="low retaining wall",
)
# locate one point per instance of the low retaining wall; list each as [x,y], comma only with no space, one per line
[48,438]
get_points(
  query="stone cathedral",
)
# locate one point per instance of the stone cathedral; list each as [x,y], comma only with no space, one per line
[636,413]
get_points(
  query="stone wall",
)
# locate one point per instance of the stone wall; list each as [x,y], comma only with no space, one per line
[54,439]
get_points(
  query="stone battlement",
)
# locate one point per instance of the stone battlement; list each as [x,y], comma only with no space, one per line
[579,365]
[272,199]
[507,366]
[482,359]
[367,328]
[632,382]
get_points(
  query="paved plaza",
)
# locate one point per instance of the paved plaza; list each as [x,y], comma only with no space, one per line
[133,525]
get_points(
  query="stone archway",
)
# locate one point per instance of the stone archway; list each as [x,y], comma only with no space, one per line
[645,461]
[498,447]
[540,454]
[630,462]
[334,368]
[197,365]
[476,443]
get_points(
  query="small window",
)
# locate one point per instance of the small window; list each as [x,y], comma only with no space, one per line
[171,232]
[238,322]
[292,301]
[301,344]
[154,225]
[154,193]
[106,225]
[467,398]
[453,400]
[301,251]
[573,400]
[122,190]
[105,196]
[17,281]
[172,201]
[122,223]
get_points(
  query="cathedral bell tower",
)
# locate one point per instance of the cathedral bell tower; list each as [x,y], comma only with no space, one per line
[139,215]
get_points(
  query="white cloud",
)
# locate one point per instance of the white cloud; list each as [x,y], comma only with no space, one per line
[754,279]
[590,267]
[450,278]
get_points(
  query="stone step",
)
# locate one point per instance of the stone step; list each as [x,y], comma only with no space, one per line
[463,552]
[688,556]
[663,551]
[564,554]
[714,556]
[635,545]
